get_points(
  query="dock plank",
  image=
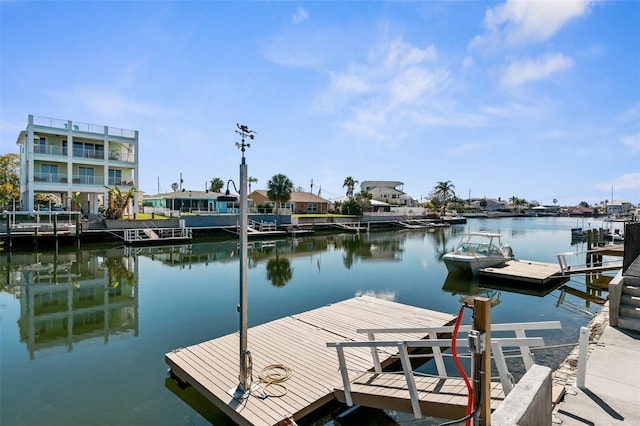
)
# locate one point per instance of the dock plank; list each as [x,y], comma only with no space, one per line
[298,342]
[439,397]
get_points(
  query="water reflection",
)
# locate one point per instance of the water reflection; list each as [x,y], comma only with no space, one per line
[66,298]
[468,287]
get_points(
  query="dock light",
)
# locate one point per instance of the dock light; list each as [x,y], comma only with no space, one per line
[245,356]
[227,197]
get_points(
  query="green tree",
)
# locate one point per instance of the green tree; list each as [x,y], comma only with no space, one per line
[252,180]
[442,193]
[363,198]
[351,207]
[9,179]
[350,184]
[279,189]
[216,185]
[118,202]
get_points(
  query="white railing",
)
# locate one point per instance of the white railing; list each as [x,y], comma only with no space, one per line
[147,234]
[83,127]
[569,261]
[521,341]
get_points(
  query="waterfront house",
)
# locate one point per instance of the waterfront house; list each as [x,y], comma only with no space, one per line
[75,161]
[300,202]
[389,192]
[188,201]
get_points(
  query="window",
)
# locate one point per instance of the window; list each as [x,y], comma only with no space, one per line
[64,147]
[86,175]
[115,177]
[40,145]
[47,173]
[78,150]
[312,207]
[99,151]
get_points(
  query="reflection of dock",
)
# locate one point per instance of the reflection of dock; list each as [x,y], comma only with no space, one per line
[299,342]
[352,227]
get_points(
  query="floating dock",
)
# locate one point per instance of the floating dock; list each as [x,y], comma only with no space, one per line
[525,271]
[298,342]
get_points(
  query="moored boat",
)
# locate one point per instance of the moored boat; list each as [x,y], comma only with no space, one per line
[477,250]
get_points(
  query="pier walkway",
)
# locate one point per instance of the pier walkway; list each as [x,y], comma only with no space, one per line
[612,383]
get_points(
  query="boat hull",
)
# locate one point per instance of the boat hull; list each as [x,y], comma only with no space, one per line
[471,264]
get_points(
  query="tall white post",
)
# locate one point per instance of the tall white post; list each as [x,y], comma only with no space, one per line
[583,348]
[243,276]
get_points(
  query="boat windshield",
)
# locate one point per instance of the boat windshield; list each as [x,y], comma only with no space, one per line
[479,248]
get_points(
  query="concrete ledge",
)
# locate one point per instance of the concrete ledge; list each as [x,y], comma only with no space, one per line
[529,403]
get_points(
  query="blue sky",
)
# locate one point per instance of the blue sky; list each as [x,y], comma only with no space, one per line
[539,100]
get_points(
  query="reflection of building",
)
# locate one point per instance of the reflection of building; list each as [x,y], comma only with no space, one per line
[66,299]
[64,158]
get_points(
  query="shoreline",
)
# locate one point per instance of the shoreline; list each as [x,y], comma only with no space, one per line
[567,372]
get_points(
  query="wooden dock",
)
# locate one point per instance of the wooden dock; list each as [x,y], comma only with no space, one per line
[298,342]
[525,271]
[542,273]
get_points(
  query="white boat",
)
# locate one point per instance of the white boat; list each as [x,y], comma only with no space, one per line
[478,250]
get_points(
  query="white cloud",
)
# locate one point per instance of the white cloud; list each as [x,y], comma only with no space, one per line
[349,83]
[400,55]
[519,22]
[301,15]
[521,72]
[632,143]
[465,149]
[620,183]
[102,102]
[414,83]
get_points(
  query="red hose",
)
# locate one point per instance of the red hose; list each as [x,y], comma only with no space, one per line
[459,367]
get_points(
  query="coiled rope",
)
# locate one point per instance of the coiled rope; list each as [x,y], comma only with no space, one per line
[272,377]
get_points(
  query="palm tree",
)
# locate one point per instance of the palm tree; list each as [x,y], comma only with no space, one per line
[252,180]
[216,185]
[279,189]
[350,183]
[443,192]
[117,202]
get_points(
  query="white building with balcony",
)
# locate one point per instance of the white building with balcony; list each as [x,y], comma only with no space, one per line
[64,158]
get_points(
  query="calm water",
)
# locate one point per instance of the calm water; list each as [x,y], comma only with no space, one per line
[84,332]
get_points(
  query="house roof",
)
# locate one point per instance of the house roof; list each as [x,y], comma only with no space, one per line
[186,194]
[297,197]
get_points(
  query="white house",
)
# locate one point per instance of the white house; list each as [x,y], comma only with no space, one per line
[63,157]
[388,192]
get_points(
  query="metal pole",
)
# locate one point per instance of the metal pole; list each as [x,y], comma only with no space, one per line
[243,276]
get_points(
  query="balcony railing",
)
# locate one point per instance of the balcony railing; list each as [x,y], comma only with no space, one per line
[50,177]
[49,150]
[87,180]
[88,153]
[83,127]
[120,182]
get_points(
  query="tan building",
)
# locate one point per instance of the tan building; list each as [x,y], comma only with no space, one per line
[300,202]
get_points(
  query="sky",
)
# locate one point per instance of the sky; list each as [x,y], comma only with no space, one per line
[537,100]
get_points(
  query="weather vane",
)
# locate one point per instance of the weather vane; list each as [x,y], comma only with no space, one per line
[244,132]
